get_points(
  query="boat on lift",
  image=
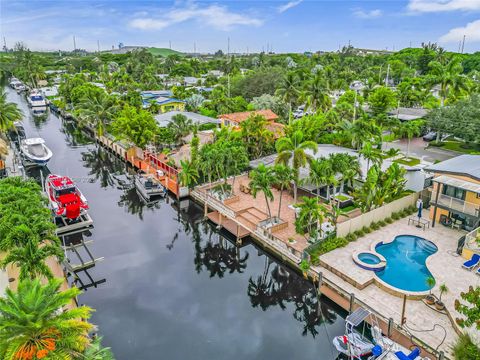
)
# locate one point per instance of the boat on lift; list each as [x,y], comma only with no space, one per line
[148,186]
[35,152]
[65,198]
[356,345]
[36,99]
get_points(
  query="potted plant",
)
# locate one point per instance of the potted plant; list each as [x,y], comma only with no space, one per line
[305,266]
[439,304]
[430,299]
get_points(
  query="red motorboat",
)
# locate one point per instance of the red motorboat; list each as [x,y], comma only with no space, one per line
[65,198]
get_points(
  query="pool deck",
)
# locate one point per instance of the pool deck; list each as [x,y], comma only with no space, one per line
[445,266]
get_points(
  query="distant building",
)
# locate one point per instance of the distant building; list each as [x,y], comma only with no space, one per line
[216,73]
[166,118]
[234,119]
[125,49]
[163,98]
[408,114]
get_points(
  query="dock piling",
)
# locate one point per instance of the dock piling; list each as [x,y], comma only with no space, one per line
[352,302]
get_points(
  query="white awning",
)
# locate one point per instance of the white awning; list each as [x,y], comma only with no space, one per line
[462,184]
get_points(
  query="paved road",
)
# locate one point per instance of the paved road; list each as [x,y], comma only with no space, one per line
[418,148]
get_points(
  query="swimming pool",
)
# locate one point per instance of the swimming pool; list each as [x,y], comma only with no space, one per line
[406,268]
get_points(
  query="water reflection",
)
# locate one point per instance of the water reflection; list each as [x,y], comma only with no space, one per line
[104,167]
[39,115]
[135,204]
[75,136]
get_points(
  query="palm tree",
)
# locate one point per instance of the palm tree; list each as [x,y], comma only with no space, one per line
[97,110]
[288,90]
[9,113]
[188,176]
[310,217]
[322,173]
[346,166]
[294,148]
[283,179]
[371,154]
[31,257]
[409,129]
[315,94]
[180,125]
[95,351]
[34,326]
[263,178]
[449,77]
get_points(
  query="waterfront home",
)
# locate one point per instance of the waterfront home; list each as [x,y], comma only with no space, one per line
[163,98]
[216,73]
[415,176]
[191,81]
[234,119]
[455,196]
[166,118]
[408,114]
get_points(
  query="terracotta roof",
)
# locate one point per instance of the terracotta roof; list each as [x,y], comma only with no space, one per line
[242,116]
[277,129]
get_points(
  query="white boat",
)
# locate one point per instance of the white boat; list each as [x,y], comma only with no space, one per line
[17,85]
[35,152]
[148,186]
[35,99]
[358,346]
[39,111]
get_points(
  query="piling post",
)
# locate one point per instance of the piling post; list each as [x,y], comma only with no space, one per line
[404,308]
[352,302]
[390,327]
[320,282]
[441,356]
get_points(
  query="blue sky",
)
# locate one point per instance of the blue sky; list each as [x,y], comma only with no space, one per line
[285,26]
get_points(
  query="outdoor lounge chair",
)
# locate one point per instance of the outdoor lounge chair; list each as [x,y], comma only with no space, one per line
[478,271]
[412,356]
[474,261]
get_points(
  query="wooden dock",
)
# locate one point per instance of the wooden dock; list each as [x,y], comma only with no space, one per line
[231,226]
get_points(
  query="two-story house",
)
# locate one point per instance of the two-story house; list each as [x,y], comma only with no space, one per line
[455,197]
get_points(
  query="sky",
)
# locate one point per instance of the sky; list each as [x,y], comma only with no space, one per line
[251,26]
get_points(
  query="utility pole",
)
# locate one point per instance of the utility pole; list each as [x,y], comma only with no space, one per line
[228,46]
[74,44]
[4,44]
[170,44]
[98,45]
[463,43]
[194,48]
[388,73]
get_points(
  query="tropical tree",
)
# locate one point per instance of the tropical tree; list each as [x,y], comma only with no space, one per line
[360,131]
[288,89]
[293,148]
[449,77]
[321,173]
[180,125]
[409,129]
[95,351]
[345,166]
[381,100]
[188,175]
[371,154]
[35,325]
[310,217]
[9,113]
[283,179]
[257,138]
[316,94]
[96,109]
[263,177]
[31,258]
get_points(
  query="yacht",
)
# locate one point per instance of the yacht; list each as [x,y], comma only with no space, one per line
[36,99]
[35,152]
[65,198]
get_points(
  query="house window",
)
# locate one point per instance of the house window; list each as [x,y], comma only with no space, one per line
[454,192]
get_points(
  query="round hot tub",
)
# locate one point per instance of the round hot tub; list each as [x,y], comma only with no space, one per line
[370,260]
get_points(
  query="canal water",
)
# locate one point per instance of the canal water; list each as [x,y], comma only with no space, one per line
[172,286]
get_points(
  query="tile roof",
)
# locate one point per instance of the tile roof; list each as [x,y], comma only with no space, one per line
[242,116]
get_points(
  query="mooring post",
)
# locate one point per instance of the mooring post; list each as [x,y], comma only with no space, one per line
[352,302]
[320,281]
[441,356]
[404,307]
[390,327]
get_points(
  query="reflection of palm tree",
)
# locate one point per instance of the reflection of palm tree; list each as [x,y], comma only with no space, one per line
[134,204]
[102,165]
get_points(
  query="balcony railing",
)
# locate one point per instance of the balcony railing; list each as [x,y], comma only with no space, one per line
[456,204]
[472,240]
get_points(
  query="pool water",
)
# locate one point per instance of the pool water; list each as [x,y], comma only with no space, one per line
[368,258]
[406,268]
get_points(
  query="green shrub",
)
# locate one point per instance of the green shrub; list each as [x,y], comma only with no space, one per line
[465,348]
[388,220]
[367,229]
[375,225]
[396,216]
[351,237]
[359,233]
[382,223]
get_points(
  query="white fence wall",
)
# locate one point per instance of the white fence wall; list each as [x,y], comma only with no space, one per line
[344,228]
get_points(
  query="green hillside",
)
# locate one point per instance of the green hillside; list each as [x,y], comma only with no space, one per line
[164,52]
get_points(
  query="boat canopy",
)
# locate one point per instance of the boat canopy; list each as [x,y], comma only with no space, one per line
[356,317]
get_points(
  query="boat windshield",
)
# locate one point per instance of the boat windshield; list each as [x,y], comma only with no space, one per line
[70,190]
[36,98]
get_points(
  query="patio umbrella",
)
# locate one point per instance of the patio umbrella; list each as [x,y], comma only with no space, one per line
[419,207]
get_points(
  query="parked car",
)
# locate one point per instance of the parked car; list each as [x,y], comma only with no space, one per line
[430,136]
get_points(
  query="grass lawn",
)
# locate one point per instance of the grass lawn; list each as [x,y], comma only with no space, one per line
[410,161]
[348,208]
[459,146]
[163,52]
[342,197]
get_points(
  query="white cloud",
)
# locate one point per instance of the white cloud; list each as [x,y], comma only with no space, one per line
[471,31]
[288,5]
[216,16]
[443,5]
[362,14]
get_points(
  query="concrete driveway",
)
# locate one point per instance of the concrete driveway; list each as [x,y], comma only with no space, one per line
[418,148]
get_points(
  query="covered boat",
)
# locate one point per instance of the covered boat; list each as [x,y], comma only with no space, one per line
[36,99]
[148,186]
[66,199]
[35,152]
